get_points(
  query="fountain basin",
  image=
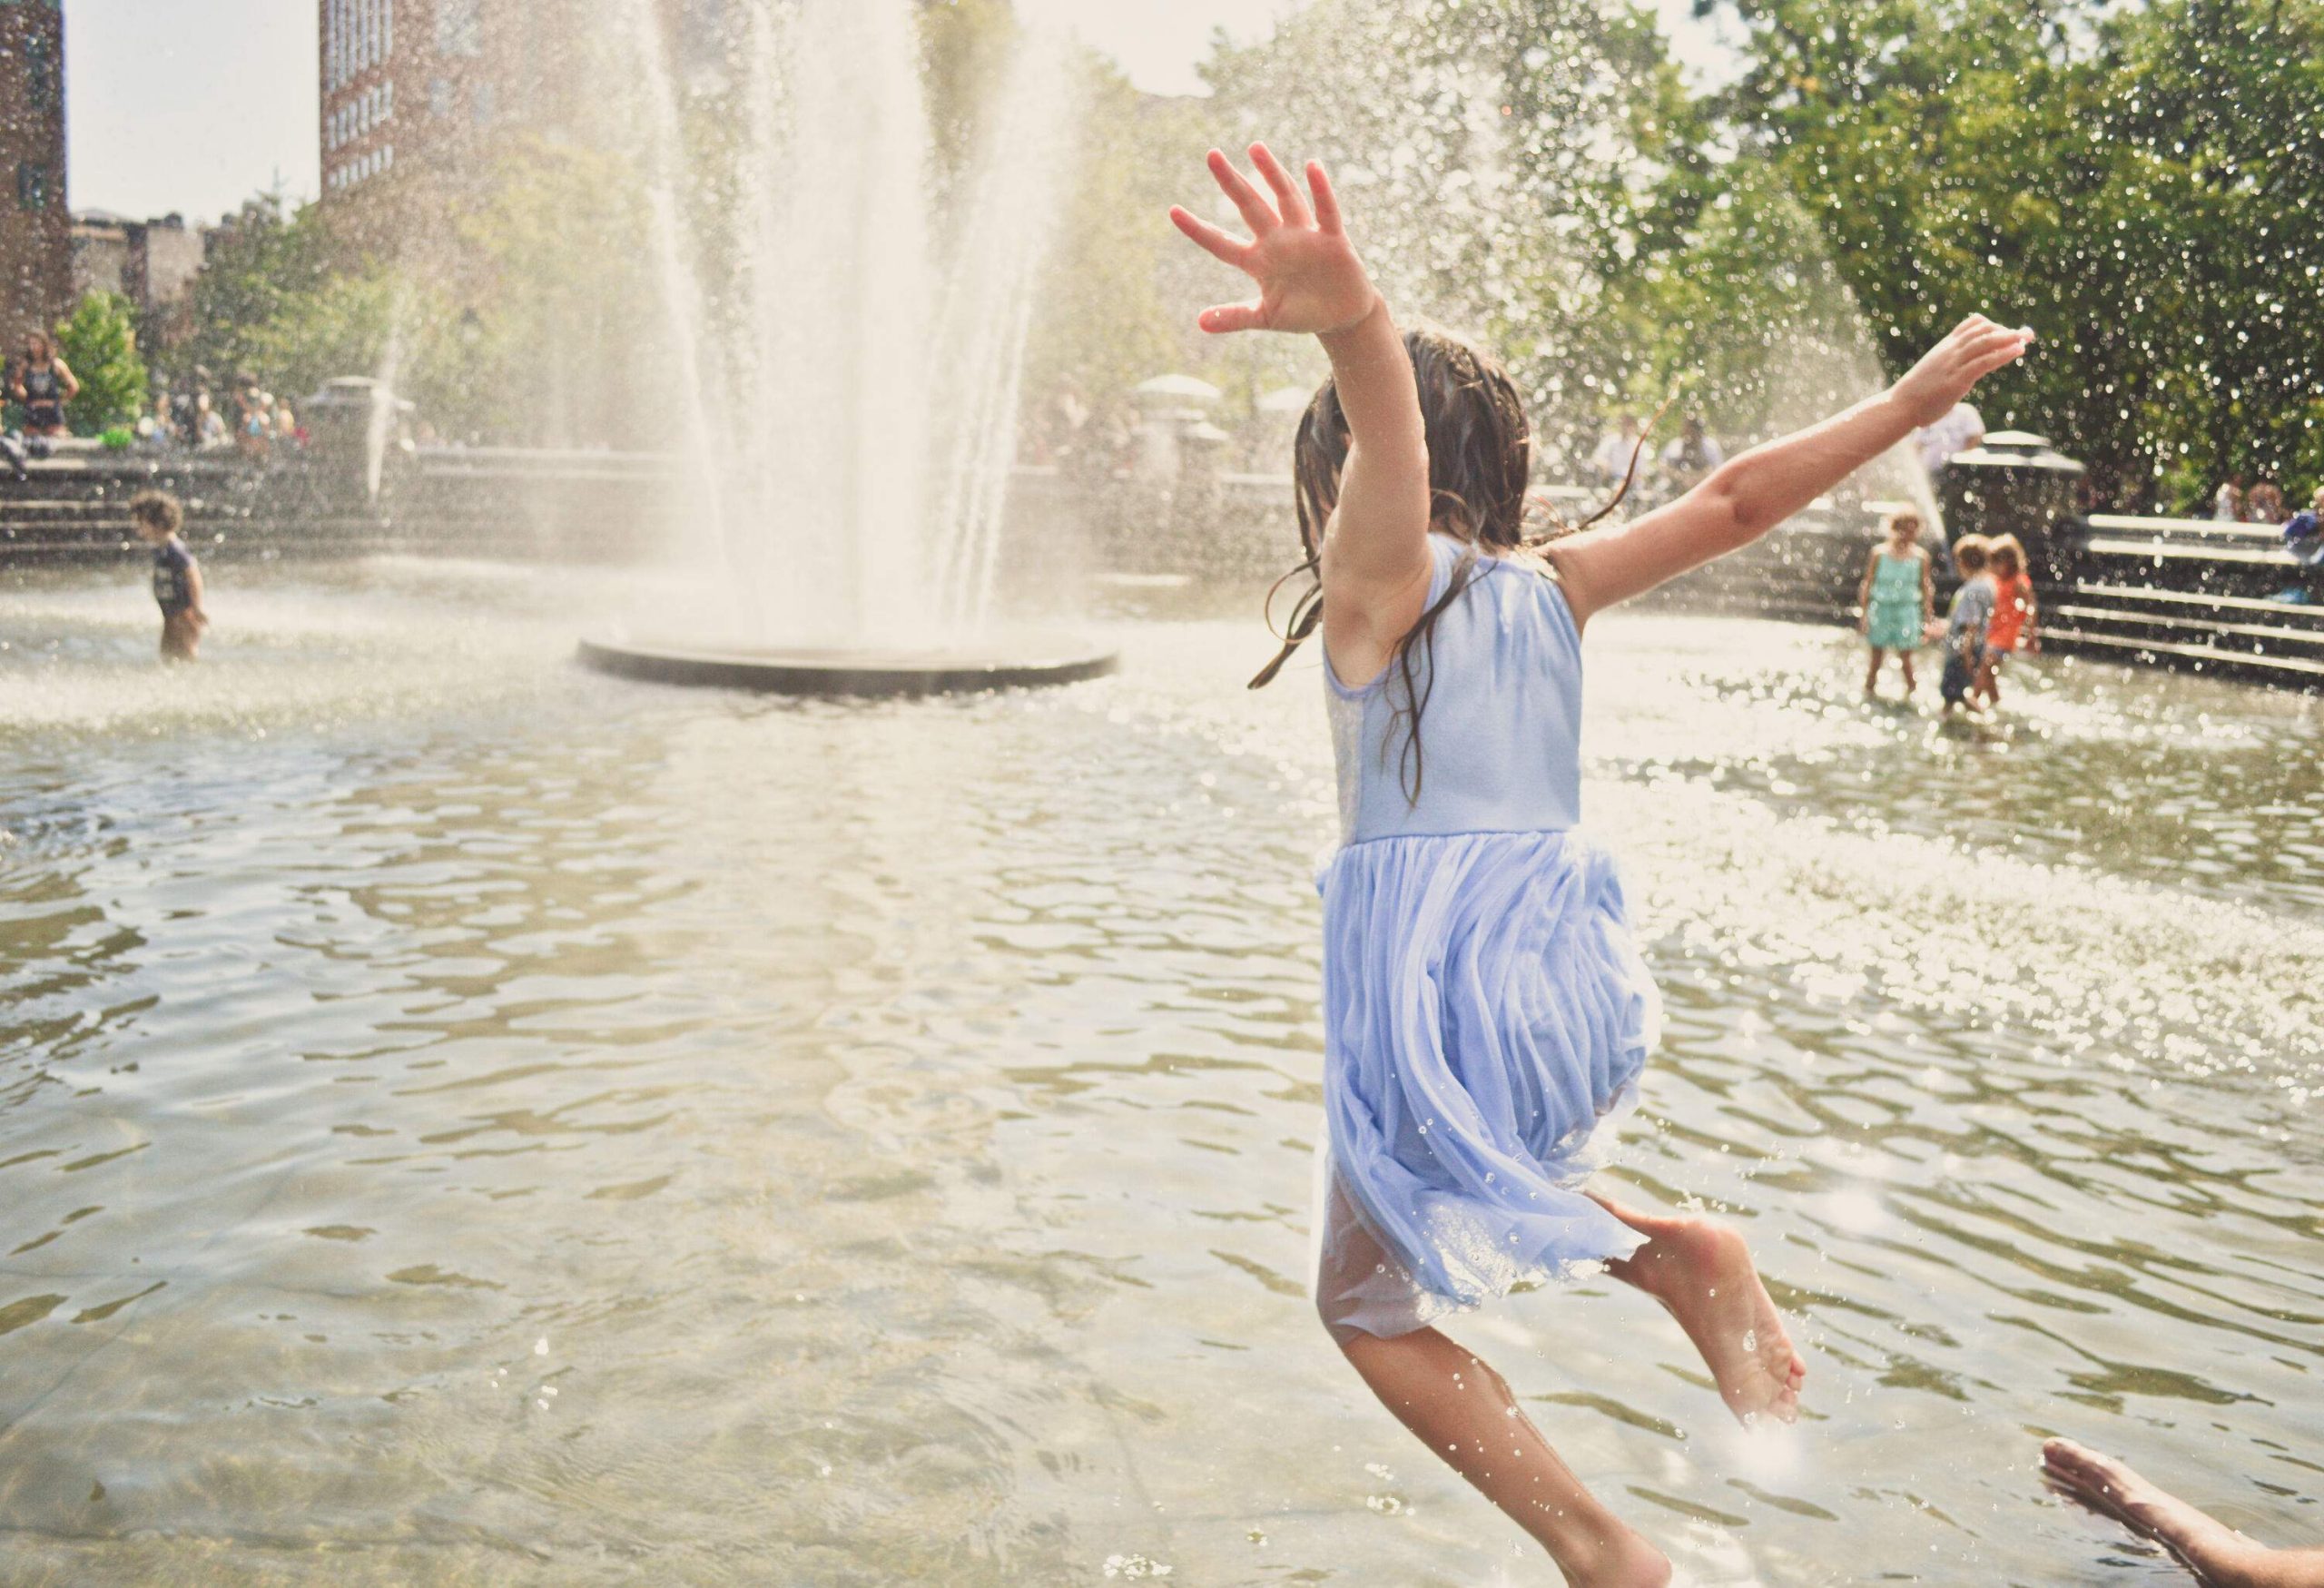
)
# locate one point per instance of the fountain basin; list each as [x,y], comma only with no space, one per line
[1021,662]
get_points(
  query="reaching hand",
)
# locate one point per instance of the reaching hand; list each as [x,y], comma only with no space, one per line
[1976,348]
[1310,280]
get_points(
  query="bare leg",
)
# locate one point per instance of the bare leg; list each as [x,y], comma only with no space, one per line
[1703,1273]
[2217,1554]
[1464,1411]
[1872,672]
[1904,658]
[181,639]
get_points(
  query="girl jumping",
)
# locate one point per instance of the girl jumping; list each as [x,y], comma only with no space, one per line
[1486,1014]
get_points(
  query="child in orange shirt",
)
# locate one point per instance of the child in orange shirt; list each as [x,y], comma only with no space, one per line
[2012,627]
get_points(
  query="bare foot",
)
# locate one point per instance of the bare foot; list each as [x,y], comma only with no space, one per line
[2216,1553]
[1702,1272]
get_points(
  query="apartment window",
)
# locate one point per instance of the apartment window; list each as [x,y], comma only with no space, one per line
[459,27]
[387,28]
[32,186]
[387,102]
[40,72]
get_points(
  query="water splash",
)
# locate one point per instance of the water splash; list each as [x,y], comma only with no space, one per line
[853,368]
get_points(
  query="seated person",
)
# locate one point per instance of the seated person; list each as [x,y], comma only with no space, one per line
[1688,460]
[2304,539]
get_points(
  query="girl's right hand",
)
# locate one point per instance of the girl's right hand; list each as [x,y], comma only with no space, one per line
[1310,281]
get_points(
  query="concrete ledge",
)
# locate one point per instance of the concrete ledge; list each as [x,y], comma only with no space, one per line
[872,674]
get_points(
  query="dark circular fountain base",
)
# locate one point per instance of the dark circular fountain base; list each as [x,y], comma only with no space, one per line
[1022,663]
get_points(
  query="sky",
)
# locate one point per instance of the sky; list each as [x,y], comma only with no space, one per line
[193,106]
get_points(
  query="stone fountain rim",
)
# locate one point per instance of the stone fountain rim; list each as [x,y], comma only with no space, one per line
[1034,662]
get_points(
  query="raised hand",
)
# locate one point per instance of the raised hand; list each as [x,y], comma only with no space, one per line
[1310,280]
[1976,348]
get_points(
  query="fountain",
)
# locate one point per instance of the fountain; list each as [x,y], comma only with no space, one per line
[851,370]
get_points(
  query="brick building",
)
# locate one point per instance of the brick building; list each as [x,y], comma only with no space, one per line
[417,95]
[37,238]
[152,263]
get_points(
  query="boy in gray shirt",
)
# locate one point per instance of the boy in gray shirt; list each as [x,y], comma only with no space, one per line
[1964,630]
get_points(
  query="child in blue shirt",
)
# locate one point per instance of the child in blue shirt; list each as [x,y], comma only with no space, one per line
[157,517]
[1964,628]
[2304,539]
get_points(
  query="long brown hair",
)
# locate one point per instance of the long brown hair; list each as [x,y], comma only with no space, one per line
[1480,463]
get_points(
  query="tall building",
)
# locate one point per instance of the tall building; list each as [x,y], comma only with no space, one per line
[37,238]
[419,94]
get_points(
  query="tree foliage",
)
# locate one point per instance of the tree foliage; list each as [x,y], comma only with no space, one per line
[1504,157]
[99,345]
[2136,183]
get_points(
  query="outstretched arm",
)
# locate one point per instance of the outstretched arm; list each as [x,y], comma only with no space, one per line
[1751,494]
[1311,282]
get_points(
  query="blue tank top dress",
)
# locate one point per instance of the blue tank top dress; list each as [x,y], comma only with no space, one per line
[1486,1012]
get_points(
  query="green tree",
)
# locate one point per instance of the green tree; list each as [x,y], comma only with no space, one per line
[1101,326]
[262,260]
[2134,181]
[1511,162]
[99,344]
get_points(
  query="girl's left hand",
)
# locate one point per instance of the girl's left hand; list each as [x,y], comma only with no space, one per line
[1976,348]
[1310,281]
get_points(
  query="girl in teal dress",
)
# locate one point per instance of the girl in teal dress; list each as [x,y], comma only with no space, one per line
[1896,597]
[1486,1012]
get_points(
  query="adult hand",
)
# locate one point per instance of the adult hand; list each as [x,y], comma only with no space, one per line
[1310,281]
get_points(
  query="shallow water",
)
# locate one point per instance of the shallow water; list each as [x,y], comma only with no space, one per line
[462,1119]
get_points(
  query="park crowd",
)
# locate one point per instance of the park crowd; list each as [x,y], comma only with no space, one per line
[185,416]
[2304,531]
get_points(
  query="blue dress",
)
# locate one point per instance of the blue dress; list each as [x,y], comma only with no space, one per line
[1486,1014]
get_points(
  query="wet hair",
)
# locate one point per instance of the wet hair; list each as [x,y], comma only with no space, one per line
[157,509]
[1480,463]
[1969,554]
[2007,555]
[1898,519]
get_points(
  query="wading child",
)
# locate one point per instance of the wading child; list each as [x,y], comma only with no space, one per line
[177,577]
[1486,1014]
[2011,628]
[1964,626]
[1897,595]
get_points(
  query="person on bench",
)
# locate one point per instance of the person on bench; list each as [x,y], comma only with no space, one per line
[2304,539]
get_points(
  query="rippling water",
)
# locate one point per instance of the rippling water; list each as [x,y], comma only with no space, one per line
[462,1119]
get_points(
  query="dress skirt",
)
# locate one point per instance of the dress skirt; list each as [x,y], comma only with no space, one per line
[1486,1017]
